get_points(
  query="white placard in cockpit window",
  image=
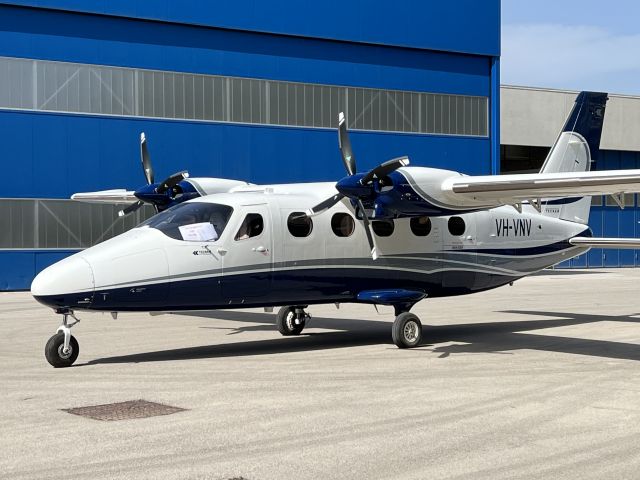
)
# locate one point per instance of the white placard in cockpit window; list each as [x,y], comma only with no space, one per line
[199,232]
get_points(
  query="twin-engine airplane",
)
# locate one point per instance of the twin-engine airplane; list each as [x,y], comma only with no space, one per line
[391,236]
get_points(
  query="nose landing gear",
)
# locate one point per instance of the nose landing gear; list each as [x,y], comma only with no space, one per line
[62,348]
[291,320]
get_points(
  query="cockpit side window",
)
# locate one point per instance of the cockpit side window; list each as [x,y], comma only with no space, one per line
[252,226]
[192,221]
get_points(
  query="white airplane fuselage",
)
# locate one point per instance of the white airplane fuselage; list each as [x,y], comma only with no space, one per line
[145,269]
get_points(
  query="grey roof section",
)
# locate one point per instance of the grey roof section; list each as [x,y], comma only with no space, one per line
[534,116]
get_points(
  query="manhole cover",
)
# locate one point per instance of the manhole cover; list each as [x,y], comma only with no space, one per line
[124,410]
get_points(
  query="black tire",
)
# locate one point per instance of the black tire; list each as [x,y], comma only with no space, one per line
[285,322]
[407,331]
[53,351]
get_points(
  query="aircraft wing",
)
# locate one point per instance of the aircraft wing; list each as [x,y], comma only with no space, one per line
[513,189]
[632,243]
[119,195]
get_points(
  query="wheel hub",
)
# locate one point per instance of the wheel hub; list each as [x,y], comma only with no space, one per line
[292,321]
[411,332]
[65,355]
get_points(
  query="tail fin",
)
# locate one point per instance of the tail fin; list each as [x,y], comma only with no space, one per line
[577,145]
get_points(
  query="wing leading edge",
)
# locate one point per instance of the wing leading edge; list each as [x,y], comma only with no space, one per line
[118,195]
[512,189]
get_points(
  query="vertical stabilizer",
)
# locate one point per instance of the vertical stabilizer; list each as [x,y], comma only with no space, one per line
[577,145]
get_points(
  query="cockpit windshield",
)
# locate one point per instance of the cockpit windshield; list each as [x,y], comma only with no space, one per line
[192,221]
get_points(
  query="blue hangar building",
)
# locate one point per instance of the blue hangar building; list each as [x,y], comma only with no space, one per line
[247,90]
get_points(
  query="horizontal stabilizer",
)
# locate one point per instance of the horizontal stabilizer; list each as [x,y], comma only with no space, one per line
[119,195]
[632,243]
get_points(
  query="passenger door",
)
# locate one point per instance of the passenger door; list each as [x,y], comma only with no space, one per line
[247,256]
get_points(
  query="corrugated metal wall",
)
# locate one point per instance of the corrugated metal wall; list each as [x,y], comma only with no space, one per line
[55,154]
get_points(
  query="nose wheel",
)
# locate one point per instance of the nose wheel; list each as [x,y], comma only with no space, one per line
[62,348]
[56,354]
[291,320]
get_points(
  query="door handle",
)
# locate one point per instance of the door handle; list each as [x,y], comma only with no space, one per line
[259,249]
[222,251]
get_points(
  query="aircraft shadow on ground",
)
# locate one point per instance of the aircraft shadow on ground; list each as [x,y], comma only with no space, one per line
[496,337]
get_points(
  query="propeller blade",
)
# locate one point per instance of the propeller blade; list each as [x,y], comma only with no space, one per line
[131,208]
[345,145]
[146,160]
[385,169]
[324,205]
[172,181]
[367,229]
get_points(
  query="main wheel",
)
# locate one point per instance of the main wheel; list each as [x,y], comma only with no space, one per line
[54,351]
[288,321]
[406,331]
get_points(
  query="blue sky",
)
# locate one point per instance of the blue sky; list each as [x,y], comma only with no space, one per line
[572,44]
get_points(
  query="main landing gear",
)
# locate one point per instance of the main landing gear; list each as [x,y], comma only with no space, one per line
[292,320]
[407,330]
[62,349]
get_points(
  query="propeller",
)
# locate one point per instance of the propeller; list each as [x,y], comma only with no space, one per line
[358,186]
[157,194]
[345,145]
[172,181]
[385,169]
[367,230]
[147,168]
[131,208]
[324,205]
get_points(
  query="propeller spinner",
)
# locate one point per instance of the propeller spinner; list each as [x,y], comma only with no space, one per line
[358,186]
[157,194]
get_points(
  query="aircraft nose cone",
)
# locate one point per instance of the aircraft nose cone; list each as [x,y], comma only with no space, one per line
[66,284]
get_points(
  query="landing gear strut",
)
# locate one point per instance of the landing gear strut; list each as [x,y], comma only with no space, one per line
[407,329]
[62,348]
[291,320]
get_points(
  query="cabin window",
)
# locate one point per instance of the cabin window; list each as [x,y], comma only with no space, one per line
[420,226]
[192,221]
[299,224]
[456,226]
[251,226]
[342,224]
[382,228]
